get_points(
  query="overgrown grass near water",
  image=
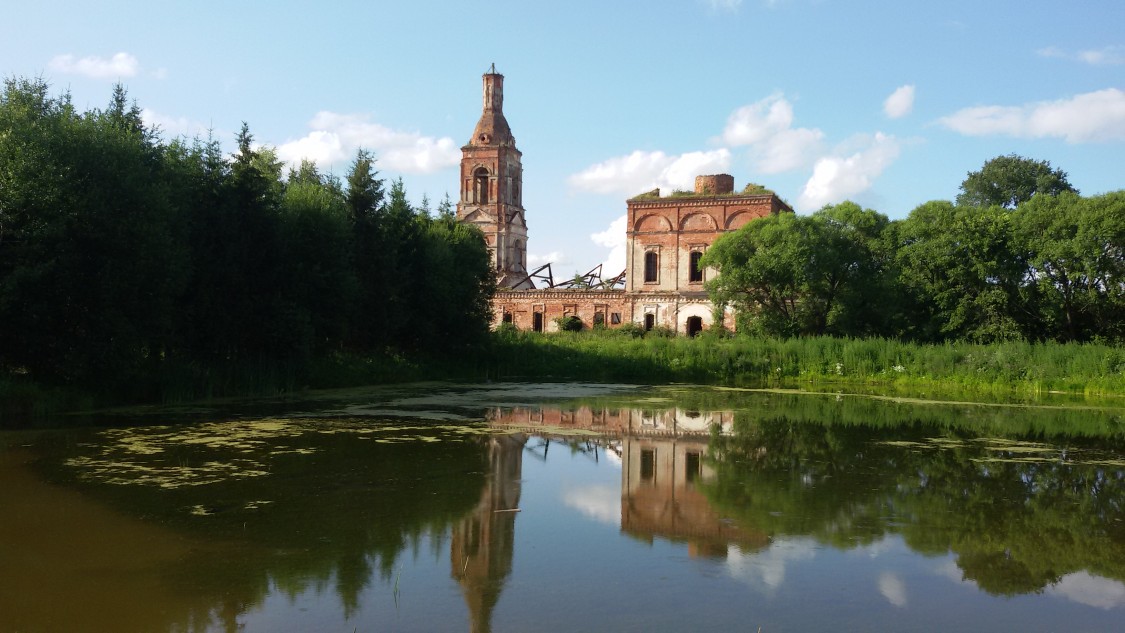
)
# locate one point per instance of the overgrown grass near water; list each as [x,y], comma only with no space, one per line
[1015,367]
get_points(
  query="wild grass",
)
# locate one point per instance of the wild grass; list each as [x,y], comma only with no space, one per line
[1091,369]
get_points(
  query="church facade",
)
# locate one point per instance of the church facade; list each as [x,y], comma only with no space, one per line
[665,238]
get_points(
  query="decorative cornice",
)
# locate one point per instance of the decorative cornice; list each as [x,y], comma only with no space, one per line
[710,201]
[550,294]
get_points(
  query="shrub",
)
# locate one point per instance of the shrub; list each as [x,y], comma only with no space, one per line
[569,323]
[632,330]
[507,329]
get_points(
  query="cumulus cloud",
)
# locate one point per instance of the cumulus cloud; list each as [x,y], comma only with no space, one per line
[335,138]
[1106,56]
[900,103]
[838,177]
[1085,118]
[642,171]
[119,66]
[613,238]
[554,257]
[766,127]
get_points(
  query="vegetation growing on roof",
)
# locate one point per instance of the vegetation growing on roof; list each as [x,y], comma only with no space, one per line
[751,189]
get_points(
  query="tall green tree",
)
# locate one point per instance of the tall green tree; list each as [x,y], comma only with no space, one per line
[790,275]
[318,283]
[1076,261]
[89,256]
[963,270]
[1009,180]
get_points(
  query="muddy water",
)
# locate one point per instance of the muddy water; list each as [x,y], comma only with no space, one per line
[546,507]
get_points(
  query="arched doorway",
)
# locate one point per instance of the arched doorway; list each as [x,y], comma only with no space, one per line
[694,325]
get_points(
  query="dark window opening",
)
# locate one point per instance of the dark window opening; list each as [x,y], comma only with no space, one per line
[695,273]
[650,321]
[615,318]
[537,322]
[694,325]
[651,262]
[648,465]
[599,318]
[480,185]
[693,467]
[507,317]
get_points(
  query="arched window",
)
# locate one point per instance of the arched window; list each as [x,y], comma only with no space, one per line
[480,185]
[695,272]
[652,262]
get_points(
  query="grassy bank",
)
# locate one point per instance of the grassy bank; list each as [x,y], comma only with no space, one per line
[1017,367]
[885,366]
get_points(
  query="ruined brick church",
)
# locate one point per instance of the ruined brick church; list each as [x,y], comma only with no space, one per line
[663,284]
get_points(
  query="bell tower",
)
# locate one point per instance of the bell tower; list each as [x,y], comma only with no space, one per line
[492,187]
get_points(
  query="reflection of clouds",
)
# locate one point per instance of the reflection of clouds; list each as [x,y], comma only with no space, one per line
[892,588]
[950,570]
[766,569]
[612,455]
[1081,587]
[1092,591]
[602,503]
[880,547]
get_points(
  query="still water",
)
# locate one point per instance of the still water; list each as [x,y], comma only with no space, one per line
[573,507]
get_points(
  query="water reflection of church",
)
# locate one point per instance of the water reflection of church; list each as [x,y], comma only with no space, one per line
[663,469]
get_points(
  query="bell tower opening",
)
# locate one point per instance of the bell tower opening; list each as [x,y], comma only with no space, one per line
[480,186]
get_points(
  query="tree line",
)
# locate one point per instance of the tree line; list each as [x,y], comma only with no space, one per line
[1020,255]
[125,257]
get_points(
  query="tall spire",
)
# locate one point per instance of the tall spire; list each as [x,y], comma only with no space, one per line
[492,129]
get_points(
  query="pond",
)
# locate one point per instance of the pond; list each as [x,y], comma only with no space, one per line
[567,507]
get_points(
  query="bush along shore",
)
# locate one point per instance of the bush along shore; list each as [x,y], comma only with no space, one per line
[955,367]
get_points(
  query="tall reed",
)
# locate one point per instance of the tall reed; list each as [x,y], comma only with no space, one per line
[1089,368]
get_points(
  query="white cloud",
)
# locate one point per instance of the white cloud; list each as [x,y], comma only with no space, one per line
[892,588]
[556,258]
[900,103]
[336,137]
[766,126]
[613,238]
[1093,591]
[173,127]
[642,171]
[836,178]
[1106,56]
[1085,118]
[117,67]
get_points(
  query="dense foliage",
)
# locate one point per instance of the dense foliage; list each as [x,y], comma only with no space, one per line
[1050,268]
[132,265]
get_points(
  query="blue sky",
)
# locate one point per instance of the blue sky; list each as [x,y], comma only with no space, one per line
[887,103]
